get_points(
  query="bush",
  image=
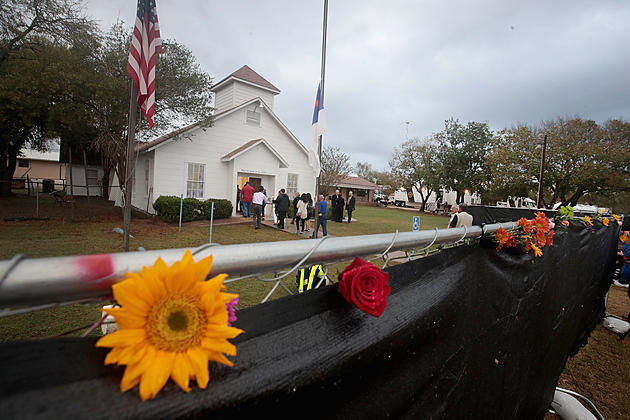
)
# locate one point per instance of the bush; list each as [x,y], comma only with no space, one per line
[222,208]
[167,207]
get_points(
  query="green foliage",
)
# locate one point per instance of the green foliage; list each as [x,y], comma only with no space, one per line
[582,158]
[167,207]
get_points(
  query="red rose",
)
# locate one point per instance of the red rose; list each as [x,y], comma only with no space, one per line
[366,286]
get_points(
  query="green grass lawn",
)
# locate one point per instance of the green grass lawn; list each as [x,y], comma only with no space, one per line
[384,220]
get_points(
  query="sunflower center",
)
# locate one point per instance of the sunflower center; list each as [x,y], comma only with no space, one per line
[176,323]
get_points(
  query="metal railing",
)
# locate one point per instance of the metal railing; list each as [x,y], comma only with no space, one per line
[44,282]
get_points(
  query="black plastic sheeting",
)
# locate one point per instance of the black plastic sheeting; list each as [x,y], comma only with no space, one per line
[468,333]
[490,214]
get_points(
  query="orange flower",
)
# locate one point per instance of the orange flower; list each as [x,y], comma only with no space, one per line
[537,251]
[623,238]
[550,237]
[617,218]
[541,223]
[541,239]
[525,224]
[528,245]
[605,221]
[565,222]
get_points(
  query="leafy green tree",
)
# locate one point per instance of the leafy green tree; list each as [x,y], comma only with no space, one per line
[364,170]
[462,156]
[582,158]
[25,23]
[415,163]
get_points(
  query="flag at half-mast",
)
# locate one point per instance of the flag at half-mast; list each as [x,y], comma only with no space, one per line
[318,128]
[145,45]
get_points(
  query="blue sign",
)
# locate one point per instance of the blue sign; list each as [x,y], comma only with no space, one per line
[416,223]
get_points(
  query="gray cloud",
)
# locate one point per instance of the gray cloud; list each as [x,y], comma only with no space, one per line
[388,62]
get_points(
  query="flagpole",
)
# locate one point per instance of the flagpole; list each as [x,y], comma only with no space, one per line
[131,135]
[319,151]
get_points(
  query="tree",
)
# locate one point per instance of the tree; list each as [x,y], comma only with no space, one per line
[462,156]
[25,23]
[415,163]
[182,96]
[582,158]
[335,167]
[365,171]
[31,33]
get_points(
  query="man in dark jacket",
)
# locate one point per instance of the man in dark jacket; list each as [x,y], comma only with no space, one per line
[336,203]
[350,205]
[282,203]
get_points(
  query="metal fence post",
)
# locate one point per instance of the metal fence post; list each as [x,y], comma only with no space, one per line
[211,219]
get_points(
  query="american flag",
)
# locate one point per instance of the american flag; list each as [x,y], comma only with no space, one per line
[145,44]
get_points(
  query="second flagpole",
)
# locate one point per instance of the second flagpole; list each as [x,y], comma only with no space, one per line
[319,147]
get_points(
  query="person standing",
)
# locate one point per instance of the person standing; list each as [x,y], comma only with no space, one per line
[302,212]
[258,202]
[350,205]
[337,207]
[282,207]
[248,195]
[296,199]
[459,218]
[310,211]
[322,207]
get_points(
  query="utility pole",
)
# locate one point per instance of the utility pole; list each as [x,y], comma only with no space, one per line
[539,203]
[131,135]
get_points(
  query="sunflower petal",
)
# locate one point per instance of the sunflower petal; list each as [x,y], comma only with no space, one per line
[219,358]
[155,377]
[134,372]
[182,371]
[222,331]
[126,337]
[202,268]
[160,269]
[126,318]
[199,363]
[126,294]
[221,346]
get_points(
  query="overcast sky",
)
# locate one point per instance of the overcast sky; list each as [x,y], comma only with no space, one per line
[502,62]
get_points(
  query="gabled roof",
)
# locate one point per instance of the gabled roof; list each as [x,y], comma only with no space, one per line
[246,74]
[150,145]
[250,145]
[356,182]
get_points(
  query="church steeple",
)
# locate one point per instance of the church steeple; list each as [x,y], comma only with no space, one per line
[241,86]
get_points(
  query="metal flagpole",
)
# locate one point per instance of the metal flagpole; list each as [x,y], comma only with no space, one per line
[131,135]
[319,151]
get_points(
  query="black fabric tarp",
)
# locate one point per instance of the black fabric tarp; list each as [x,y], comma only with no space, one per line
[468,333]
[490,214]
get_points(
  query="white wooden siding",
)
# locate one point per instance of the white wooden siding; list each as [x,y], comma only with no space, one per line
[244,92]
[227,134]
[141,190]
[224,98]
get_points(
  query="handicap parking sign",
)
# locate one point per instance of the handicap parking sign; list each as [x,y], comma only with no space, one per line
[416,223]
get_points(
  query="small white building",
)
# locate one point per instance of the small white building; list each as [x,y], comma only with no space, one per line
[247,142]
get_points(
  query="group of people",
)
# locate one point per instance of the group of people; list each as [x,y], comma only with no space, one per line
[253,202]
[337,204]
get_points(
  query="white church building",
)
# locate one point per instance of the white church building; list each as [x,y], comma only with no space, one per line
[247,142]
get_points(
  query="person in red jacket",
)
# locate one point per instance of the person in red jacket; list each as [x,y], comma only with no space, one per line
[248,195]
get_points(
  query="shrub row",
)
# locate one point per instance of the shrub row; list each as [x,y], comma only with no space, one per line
[167,207]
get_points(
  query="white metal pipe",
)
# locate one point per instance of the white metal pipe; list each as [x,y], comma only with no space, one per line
[38,281]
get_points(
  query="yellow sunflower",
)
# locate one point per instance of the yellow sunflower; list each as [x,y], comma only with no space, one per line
[606,221]
[171,323]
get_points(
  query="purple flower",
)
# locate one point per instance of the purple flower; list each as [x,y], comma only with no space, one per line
[231,310]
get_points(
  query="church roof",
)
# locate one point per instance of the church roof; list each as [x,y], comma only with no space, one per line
[246,74]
